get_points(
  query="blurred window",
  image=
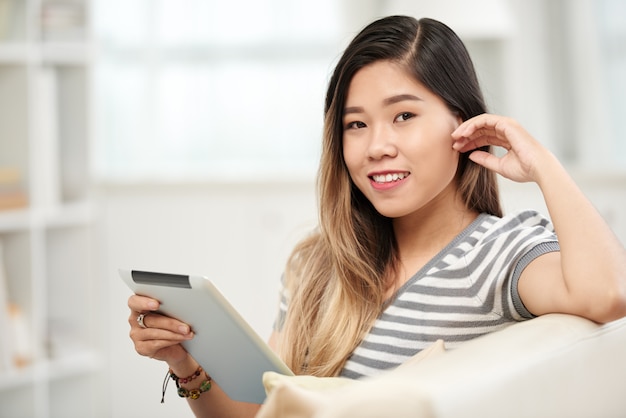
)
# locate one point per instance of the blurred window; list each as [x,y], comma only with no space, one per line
[234,90]
[199,89]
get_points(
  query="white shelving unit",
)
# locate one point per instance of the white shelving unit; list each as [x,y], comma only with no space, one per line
[45,113]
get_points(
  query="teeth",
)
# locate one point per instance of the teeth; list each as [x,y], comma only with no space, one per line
[388,178]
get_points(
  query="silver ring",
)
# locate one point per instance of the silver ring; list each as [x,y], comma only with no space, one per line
[140,320]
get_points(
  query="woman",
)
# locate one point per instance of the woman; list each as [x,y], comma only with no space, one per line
[412,244]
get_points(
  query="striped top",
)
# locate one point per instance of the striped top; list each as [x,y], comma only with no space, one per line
[467,290]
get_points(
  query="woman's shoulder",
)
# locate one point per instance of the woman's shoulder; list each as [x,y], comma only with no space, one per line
[528,220]
[519,218]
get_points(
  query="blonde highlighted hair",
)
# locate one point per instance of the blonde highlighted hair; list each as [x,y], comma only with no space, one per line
[336,278]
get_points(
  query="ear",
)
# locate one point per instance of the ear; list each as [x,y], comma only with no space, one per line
[459,119]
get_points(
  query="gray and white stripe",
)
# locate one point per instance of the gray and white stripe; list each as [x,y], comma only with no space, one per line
[469,289]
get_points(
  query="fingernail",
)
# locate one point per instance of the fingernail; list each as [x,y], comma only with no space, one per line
[183,329]
[153,305]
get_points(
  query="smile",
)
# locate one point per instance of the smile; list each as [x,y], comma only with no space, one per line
[389,178]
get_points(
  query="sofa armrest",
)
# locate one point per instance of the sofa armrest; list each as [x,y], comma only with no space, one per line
[552,366]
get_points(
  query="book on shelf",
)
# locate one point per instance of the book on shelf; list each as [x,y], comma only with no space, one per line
[12,194]
[21,347]
[15,344]
[62,20]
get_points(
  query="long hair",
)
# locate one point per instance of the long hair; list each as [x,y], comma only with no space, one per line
[336,277]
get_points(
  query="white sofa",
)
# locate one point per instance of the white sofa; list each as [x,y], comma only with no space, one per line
[552,366]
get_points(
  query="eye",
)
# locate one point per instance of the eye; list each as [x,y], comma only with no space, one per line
[355,125]
[404,116]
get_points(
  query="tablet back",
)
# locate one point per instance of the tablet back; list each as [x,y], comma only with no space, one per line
[224,343]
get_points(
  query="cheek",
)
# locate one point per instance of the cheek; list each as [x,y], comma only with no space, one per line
[441,157]
[351,158]
[451,159]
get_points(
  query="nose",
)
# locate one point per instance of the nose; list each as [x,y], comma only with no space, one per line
[382,143]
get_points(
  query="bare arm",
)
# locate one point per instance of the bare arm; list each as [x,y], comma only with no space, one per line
[214,403]
[588,276]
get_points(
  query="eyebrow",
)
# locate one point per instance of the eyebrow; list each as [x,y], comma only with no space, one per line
[387,102]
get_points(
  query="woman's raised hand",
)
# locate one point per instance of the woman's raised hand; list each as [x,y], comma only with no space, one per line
[155,335]
[524,157]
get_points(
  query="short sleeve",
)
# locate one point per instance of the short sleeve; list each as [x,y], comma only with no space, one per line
[540,239]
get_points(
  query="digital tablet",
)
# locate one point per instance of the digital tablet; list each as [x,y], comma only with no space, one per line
[225,345]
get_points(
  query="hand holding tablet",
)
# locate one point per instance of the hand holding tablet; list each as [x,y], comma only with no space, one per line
[224,343]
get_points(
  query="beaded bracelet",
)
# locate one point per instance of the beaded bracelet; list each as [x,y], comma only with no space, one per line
[183,392]
[205,386]
[187,379]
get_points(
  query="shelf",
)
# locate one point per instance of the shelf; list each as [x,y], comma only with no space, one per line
[52,53]
[47,243]
[47,270]
[67,215]
[70,214]
[15,52]
[77,364]
[65,53]
[14,220]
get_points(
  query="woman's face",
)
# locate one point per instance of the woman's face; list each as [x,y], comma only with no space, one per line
[396,141]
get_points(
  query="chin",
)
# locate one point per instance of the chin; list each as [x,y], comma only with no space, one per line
[392,213]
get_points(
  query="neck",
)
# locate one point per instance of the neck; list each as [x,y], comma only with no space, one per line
[432,232]
[421,239]
[433,226]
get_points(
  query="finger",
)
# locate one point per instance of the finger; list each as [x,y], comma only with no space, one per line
[139,303]
[155,320]
[149,341]
[150,348]
[468,144]
[484,130]
[483,124]
[146,334]
[486,159]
